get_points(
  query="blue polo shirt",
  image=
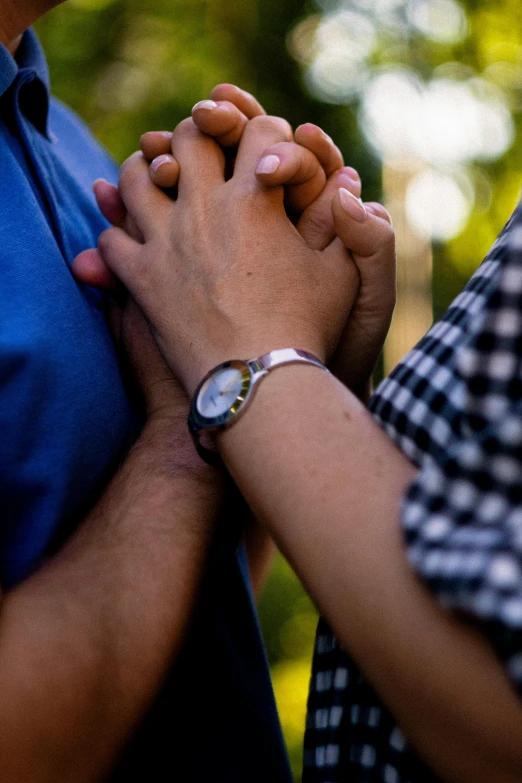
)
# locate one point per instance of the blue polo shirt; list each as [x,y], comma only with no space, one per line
[66,421]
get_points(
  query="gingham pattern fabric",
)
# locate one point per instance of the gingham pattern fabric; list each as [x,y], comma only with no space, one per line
[454,407]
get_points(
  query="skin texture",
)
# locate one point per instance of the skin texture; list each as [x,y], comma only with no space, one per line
[17,15]
[311,171]
[306,451]
[369,319]
[81,658]
[303,175]
[303,170]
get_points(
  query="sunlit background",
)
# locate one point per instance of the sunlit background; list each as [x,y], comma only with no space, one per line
[423,96]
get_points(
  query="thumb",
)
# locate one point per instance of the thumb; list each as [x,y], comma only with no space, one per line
[367,233]
[365,230]
[317,225]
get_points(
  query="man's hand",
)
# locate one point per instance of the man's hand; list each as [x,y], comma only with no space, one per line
[289,295]
[303,167]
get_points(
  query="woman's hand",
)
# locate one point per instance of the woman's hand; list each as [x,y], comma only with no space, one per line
[303,167]
[313,172]
[222,273]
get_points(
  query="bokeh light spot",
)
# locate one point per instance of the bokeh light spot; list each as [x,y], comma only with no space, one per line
[437,205]
[441,20]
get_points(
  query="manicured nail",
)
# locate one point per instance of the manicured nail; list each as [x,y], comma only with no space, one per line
[268,165]
[352,205]
[165,134]
[209,105]
[160,161]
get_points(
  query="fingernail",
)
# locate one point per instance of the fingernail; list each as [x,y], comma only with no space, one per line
[349,179]
[160,161]
[352,205]
[97,182]
[205,105]
[268,164]
[352,173]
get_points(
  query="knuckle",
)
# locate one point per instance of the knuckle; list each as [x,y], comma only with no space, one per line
[131,169]
[282,148]
[186,129]
[268,124]
[320,221]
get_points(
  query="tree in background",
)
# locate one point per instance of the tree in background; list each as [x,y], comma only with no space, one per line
[423,97]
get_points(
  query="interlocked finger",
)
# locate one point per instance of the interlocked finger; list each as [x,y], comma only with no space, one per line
[156,143]
[245,102]
[141,197]
[260,133]
[289,164]
[316,224]
[322,146]
[201,160]
[223,121]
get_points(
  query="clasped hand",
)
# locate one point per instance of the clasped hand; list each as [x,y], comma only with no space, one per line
[221,272]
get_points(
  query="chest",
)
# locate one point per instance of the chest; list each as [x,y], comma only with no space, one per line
[64,413]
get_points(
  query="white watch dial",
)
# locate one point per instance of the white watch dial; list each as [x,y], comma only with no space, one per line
[219,393]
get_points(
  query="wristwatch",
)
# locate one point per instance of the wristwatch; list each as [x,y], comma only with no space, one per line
[226,391]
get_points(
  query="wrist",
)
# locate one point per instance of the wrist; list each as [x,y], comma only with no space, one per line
[246,351]
[225,394]
[171,451]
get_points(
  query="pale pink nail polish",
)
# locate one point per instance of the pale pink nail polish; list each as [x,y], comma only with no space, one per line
[352,205]
[205,105]
[160,161]
[268,165]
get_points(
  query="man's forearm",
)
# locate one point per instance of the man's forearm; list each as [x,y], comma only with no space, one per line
[85,642]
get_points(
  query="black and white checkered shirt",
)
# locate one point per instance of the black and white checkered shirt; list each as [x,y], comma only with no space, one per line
[454,408]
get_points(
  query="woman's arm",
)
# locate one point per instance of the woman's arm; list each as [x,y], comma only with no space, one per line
[222,274]
[328,483]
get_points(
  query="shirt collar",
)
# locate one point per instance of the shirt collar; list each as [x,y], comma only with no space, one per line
[29,58]
[31,55]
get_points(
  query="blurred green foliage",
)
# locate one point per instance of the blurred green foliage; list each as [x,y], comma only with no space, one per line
[128,67]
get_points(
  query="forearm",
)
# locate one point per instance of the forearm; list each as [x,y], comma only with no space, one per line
[328,483]
[85,643]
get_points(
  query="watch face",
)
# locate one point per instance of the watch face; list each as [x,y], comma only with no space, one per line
[224,391]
